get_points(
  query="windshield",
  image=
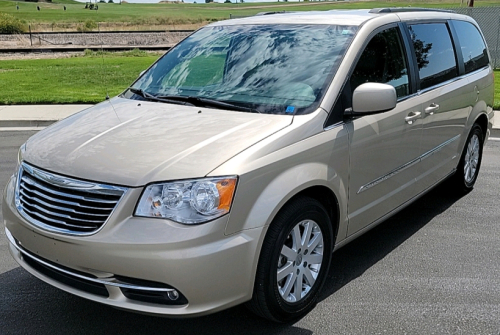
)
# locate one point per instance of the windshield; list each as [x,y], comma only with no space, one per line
[278,69]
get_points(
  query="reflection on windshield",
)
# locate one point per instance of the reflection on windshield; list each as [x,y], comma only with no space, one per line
[272,68]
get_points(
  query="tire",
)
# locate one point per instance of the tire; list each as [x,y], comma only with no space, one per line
[283,300]
[470,161]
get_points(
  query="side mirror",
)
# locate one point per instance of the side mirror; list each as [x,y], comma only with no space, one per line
[142,72]
[373,98]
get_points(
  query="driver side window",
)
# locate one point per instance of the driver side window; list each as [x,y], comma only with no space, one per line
[383,61]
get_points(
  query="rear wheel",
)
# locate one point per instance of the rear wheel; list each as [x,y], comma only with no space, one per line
[470,161]
[294,261]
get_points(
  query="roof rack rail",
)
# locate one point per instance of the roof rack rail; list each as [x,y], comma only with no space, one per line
[271,13]
[407,9]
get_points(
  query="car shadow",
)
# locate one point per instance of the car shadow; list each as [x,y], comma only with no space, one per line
[351,261]
[30,306]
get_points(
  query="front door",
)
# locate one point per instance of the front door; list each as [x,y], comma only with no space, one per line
[384,147]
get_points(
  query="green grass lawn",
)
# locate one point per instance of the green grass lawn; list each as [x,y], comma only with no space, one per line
[138,14]
[70,80]
[84,79]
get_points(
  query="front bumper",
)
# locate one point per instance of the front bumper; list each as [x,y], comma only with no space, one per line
[132,258]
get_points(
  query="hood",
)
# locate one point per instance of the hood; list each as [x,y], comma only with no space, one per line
[132,143]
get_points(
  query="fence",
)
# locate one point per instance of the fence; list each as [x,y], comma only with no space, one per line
[80,40]
[488,19]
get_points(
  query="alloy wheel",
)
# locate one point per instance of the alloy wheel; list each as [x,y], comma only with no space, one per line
[471,159]
[300,261]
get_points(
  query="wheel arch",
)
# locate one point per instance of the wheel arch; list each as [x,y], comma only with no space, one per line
[327,198]
[482,121]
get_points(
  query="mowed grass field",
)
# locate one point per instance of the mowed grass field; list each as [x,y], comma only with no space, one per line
[84,79]
[133,16]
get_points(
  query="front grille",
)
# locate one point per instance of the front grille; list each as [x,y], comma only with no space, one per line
[62,204]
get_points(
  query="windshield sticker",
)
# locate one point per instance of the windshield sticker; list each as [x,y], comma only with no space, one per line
[290,109]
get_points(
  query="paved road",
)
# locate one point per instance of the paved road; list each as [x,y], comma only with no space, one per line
[432,269]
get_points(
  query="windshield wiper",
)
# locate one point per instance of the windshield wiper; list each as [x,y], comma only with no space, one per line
[151,97]
[206,102]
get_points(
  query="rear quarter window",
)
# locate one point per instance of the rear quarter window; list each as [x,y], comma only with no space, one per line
[473,48]
[434,53]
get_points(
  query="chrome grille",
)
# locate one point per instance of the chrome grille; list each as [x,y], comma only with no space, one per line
[62,204]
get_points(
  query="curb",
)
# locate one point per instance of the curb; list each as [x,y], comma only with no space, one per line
[26,123]
[83,48]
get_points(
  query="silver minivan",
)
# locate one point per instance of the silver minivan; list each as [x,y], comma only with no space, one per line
[237,163]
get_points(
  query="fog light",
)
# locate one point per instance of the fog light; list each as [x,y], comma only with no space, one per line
[173,295]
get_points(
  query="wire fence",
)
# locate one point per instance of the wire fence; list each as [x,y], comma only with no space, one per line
[488,19]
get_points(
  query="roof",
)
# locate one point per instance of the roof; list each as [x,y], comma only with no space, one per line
[351,17]
[340,17]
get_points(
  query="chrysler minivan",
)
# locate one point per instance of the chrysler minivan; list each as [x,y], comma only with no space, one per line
[233,167]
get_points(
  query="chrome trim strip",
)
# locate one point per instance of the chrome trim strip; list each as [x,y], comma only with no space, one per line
[64,209]
[109,282]
[64,216]
[335,125]
[66,195]
[438,148]
[55,221]
[67,183]
[389,175]
[406,165]
[70,203]
[70,183]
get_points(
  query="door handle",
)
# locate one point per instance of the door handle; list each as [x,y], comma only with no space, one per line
[431,109]
[412,116]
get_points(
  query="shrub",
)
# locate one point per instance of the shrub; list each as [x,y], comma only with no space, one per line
[88,25]
[135,53]
[10,25]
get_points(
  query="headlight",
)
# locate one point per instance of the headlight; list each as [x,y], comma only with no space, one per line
[188,201]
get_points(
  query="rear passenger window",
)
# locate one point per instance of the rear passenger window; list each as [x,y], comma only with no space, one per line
[472,45]
[434,52]
[383,61]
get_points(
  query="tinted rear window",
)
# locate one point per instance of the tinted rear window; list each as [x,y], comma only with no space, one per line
[472,44]
[434,52]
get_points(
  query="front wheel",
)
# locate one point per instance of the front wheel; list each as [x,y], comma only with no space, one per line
[470,161]
[294,261]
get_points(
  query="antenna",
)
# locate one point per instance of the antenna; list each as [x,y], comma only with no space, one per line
[103,69]
[102,57]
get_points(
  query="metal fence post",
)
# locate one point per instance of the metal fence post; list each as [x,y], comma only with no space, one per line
[497,54]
